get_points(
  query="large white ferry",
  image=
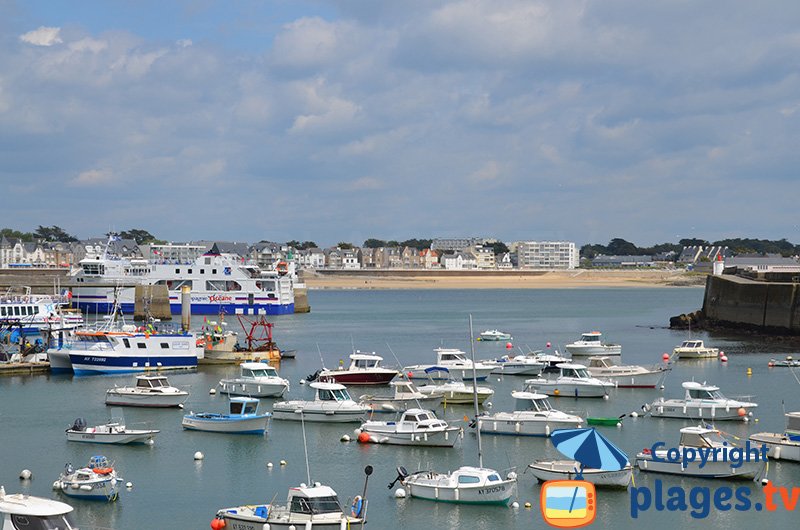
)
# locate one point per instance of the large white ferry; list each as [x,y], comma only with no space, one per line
[219,283]
[30,313]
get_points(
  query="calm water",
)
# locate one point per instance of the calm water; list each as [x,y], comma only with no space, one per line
[171,490]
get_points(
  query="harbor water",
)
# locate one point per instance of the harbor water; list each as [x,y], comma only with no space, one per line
[172,490]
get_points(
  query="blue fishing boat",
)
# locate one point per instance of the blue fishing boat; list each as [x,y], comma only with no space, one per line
[242,419]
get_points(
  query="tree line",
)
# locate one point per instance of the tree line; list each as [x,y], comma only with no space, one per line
[621,247]
[53,234]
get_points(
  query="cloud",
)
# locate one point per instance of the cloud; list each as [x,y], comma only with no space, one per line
[365,184]
[42,36]
[94,177]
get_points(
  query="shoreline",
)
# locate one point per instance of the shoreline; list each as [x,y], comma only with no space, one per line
[580,279]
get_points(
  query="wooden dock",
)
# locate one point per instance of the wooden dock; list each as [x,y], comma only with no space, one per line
[24,368]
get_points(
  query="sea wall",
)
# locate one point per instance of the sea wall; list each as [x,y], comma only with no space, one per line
[770,307]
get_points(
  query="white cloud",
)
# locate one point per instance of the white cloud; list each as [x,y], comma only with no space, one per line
[42,36]
[488,173]
[94,177]
[365,184]
[184,43]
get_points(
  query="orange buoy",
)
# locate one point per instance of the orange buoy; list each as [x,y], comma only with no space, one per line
[741,412]
[363,437]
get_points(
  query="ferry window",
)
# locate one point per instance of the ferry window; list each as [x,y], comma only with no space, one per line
[208,262]
[202,271]
[165,345]
[232,286]
[189,271]
[2,311]
[141,345]
[126,342]
[213,271]
[16,311]
[468,479]
[177,271]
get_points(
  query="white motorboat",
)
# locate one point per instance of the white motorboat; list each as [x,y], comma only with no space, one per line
[545,470]
[364,369]
[591,343]
[718,464]
[494,335]
[150,391]
[332,403]
[20,510]
[255,380]
[533,417]
[113,432]
[469,485]
[415,427]
[309,507]
[405,396]
[701,401]
[694,349]
[456,362]
[573,381]
[243,418]
[550,361]
[97,481]
[626,376]
[454,392]
[517,365]
[785,445]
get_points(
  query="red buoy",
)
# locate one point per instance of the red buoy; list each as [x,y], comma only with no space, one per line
[548,345]
[363,437]
[665,357]
[509,345]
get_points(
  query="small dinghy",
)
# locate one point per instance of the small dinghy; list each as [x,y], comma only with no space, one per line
[242,419]
[97,481]
[113,432]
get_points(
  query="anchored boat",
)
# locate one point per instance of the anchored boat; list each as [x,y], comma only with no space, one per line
[149,391]
[415,427]
[243,418]
[533,417]
[626,376]
[364,369]
[456,363]
[545,470]
[113,432]
[694,349]
[701,401]
[573,381]
[97,481]
[255,380]
[332,403]
[405,396]
[591,343]
[785,445]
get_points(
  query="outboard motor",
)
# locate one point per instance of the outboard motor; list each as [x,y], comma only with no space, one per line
[314,376]
[401,475]
[79,425]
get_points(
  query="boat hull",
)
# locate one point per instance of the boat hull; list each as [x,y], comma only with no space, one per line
[122,399]
[780,446]
[585,351]
[254,425]
[104,490]
[236,387]
[498,493]
[463,374]
[570,390]
[568,470]
[243,521]
[297,412]
[643,380]
[358,378]
[99,304]
[377,404]
[441,438]
[59,361]
[695,412]
[129,437]
[507,424]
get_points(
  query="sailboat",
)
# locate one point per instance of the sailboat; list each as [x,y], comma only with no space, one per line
[465,485]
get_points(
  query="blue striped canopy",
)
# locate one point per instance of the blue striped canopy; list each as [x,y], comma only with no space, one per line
[590,448]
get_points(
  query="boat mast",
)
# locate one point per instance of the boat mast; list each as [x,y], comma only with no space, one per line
[475,393]
[305,447]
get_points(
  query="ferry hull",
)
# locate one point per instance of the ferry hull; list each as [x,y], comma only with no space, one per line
[103,306]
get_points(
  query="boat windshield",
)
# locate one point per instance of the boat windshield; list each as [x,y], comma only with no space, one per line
[453,357]
[575,372]
[691,344]
[43,522]
[265,372]
[365,363]
[333,395]
[591,338]
[315,505]
[541,405]
[706,394]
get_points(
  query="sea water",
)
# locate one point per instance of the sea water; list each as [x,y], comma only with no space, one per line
[172,490]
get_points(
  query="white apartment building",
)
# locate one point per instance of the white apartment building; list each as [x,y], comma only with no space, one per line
[547,255]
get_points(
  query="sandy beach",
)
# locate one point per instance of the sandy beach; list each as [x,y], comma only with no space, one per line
[576,279]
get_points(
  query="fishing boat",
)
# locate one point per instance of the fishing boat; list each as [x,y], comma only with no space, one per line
[787,362]
[694,349]
[97,481]
[545,470]
[591,343]
[573,381]
[626,376]
[468,485]
[785,445]
[494,335]
[364,369]
[405,396]
[255,380]
[457,364]
[332,403]
[415,427]
[243,418]
[23,511]
[112,432]
[719,463]
[149,391]
[533,416]
[701,401]
[221,346]
[526,365]
[453,392]
[218,282]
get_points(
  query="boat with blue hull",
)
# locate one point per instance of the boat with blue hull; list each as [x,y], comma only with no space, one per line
[219,282]
[242,419]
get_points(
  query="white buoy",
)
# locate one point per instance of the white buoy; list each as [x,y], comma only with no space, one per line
[129,485]
[605,396]
[199,456]
[345,438]
[515,505]
[488,404]
[511,475]
[634,414]
[283,462]
[662,387]
[56,485]
[180,406]
[619,424]
[25,474]
[764,481]
[269,465]
[212,391]
[302,381]
[150,442]
[400,493]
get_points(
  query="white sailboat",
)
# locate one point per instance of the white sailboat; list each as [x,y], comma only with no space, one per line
[467,485]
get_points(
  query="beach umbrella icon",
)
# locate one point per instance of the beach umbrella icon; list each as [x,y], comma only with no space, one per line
[590,448]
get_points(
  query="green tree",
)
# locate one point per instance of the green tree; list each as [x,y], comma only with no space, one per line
[694,242]
[53,233]
[344,245]
[374,243]
[498,247]
[419,244]
[140,236]
[620,247]
[16,234]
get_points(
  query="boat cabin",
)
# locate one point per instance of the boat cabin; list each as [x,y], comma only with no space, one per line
[531,401]
[450,355]
[577,371]
[243,406]
[363,361]
[258,370]
[420,419]
[601,362]
[591,337]
[404,388]
[692,345]
[793,423]
[331,392]
[313,500]
[697,391]
[34,513]
[151,381]
[701,437]
[475,475]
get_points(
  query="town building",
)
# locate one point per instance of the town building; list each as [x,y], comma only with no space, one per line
[547,255]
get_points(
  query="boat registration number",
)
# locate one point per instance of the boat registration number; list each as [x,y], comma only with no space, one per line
[493,489]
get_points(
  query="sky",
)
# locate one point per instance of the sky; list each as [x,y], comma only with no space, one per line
[343,120]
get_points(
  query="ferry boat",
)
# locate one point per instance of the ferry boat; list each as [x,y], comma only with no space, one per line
[31,313]
[219,282]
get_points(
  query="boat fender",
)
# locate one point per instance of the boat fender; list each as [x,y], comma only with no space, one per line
[776,453]
[357,506]
[86,487]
